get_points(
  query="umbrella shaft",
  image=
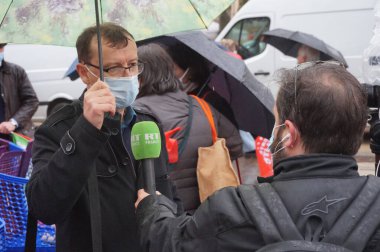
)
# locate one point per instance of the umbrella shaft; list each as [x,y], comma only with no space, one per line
[100,51]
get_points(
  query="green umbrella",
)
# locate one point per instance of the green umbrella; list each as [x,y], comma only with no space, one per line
[4,6]
[59,22]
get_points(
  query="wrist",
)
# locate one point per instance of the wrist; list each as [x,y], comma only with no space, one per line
[13,122]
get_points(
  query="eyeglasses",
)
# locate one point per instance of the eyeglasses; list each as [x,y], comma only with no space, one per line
[119,71]
[308,64]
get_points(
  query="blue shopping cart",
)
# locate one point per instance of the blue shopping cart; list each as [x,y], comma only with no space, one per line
[2,236]
[14,212]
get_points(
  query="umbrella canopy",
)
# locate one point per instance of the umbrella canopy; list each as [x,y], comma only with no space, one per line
[288,42]
[59,22]
[4,6]
[250,101]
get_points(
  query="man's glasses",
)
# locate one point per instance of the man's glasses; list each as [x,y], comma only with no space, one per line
[121,71]
[308,64]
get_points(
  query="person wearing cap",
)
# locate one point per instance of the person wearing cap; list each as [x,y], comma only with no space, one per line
[18,100]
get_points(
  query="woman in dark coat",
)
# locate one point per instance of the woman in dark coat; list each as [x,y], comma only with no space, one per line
[161,94]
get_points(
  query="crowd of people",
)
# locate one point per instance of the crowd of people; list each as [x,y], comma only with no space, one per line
[86,181]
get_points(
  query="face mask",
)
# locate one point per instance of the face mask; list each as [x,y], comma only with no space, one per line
[274,152]
[272,149]
[125,89]
[271,139]
[184,74]
[1,58]
[189,86]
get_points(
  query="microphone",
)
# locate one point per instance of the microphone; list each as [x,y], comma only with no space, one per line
[146,145]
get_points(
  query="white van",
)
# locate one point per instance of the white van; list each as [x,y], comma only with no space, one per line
[346,25]
[46,66]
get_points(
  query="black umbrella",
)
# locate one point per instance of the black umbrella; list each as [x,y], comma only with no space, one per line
[288,42]
[250,101]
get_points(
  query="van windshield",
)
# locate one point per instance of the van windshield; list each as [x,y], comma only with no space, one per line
[247,35]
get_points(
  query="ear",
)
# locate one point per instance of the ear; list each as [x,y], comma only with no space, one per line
[83,73]
[294,139]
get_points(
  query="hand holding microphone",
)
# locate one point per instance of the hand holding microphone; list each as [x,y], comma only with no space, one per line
[146,146]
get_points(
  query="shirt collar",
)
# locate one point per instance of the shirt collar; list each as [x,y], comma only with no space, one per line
[129,117]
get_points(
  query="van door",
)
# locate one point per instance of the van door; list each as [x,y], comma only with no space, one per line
[246,32]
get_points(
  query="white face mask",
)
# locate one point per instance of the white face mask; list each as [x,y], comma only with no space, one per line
[271,140]
[183,75]
[189,86]
[286,137]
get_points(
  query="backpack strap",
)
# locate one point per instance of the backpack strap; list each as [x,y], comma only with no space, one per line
[189,122]
[359,221]
[206,109]
[268,213]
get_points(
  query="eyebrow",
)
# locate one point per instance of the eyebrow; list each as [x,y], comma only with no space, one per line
[118,63]
[135,59]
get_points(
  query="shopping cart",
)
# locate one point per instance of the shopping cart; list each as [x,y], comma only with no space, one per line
[14,159]
[2,236]
[14,211]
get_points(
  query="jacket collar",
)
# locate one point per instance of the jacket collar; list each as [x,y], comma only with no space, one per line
[315,165]
[5,67]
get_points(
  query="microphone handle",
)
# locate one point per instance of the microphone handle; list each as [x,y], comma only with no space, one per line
[149,176]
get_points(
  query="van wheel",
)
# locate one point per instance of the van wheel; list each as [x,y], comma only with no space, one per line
[56,105]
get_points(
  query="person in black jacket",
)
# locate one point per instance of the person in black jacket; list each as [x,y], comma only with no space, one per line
[321,115]
[82,158]
[18,100]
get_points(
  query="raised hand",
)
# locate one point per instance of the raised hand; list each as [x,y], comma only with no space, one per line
[97,101]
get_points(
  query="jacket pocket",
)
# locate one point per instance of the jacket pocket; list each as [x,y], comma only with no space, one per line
[106,164]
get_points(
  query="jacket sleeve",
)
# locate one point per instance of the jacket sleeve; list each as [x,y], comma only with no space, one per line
[220,223]
[62,162]
[28,98]
[228,131]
